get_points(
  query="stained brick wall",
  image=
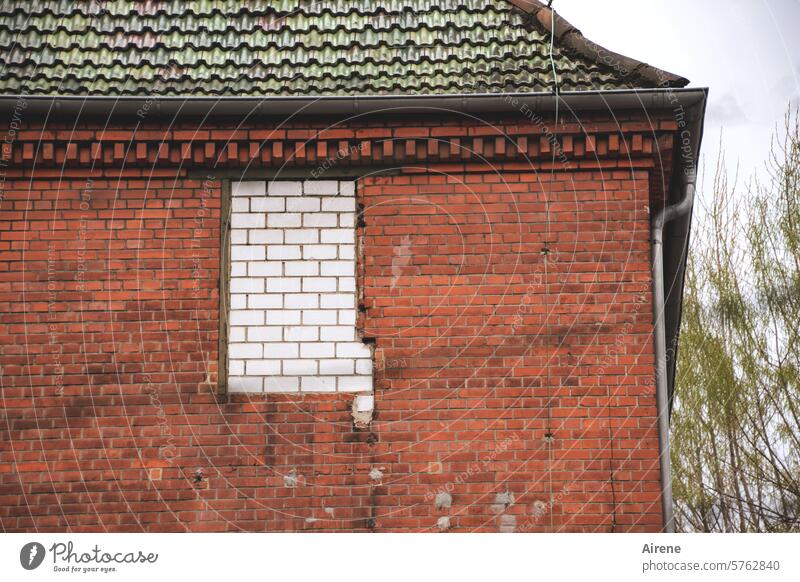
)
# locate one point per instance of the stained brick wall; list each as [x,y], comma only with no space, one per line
[513,376]
[518,374]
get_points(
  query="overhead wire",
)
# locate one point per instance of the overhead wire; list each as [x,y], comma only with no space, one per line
[549,435]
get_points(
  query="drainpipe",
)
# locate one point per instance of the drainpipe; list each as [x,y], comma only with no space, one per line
[688,183]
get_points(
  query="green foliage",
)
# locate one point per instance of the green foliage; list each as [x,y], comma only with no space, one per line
[736,419]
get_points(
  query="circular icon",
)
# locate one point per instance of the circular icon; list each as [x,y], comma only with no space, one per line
[31,555]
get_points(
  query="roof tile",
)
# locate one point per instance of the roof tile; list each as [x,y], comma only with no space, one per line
[282,47]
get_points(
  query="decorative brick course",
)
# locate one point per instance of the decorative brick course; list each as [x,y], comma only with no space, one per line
[445,142]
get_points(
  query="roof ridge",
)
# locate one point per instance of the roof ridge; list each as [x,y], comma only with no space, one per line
[570,37]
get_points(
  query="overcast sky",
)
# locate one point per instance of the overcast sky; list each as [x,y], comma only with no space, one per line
[746,51]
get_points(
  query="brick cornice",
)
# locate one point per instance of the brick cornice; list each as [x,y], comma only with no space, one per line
[311,147]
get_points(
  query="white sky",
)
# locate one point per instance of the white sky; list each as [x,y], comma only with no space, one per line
[746,51]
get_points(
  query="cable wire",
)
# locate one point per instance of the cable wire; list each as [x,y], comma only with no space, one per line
[550,437]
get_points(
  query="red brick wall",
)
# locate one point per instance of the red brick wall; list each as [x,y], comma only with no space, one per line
[489,349]
[495,372]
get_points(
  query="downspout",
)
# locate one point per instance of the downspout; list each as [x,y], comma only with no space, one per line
[688,184]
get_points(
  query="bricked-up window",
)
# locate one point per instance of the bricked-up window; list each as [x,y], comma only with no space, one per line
[293,289]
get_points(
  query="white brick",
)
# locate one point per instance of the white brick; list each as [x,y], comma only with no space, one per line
[245,384]
[320,187]
[353,350]
[247,285]
[347,252]
[281,188]
[318,384]
[265,301]
[245,350]
[301,301]
[302,236]
[265,268]
[300,367]
[283,317]
[292,308]
[304,204]
[241,220]
[347,284]
[337,235]
[237,334]
[246,317]
[337,269]
[319,285]
[338,204]
[249,188]
[281,350]
[238,302]
[320,252]
[301,333]
[364,366]
[354,383]
[281,384]
[283,252]
[347,317]
[263,367]
[283,285]
[337,301]
[319,219]
[271,204]
[338,333]
[248,252]
[284,220]
[264,334]
[319,317]
[338,367]
[317,350]
[301,268]
[266,237]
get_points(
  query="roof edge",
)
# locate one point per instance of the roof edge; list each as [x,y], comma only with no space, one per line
[572,38]
[149,106]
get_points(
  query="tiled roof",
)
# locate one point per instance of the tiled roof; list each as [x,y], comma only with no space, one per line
[277,47]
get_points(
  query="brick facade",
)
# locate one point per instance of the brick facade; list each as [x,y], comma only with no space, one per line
[508,298]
